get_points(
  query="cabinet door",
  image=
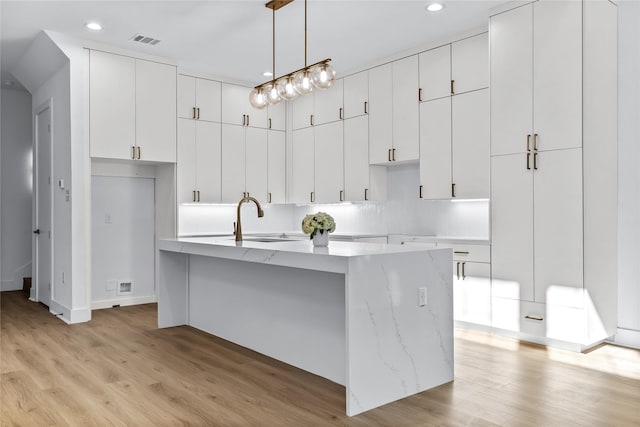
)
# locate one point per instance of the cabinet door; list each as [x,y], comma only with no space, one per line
[233,163]
[237,110]
[406,114]
[329,163]
[472,292]
[277,114]
[327,104]
[558,227]
[470,63]
[112,105]
[276,167]
[471,140]
[356,95]
[435,149]
[156,111]
[512,227]
[186,97]
[302,165]
[302,111]
[186,165]
[435,73]
[557,76]
[380,114]
[511,80]
[256,146]
[209,100]
[208,161]
[356,155]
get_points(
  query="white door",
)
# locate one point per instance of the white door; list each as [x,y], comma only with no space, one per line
[277,116]
[256,146]
[233,163]
[356,94]
[276,167]
[186,97]
[356,155]
[511,80]
[186,165]
[470,64]
[472,292]
[558,227]
[302,165]
[208,100]
[380,114]
[512,227]
[435,73]
[327,104]
[329,163]
[406,114]
[557,76]
[208,162]
[471,145]
[435,149]
[235,101]
[42,230]
[302,111]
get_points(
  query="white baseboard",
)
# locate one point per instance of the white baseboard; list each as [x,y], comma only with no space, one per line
[123,301]
[9,285]
[18,275]
[69,316]
[627,338]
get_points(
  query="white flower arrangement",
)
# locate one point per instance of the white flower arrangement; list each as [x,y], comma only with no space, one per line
[318,222]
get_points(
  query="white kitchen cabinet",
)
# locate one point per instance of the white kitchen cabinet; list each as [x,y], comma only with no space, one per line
[256,163]
[276,167]
[435,73]
[112,114]
[356,159]
[277,116]
[233,163]
[236,109]
[380,114]
[329,161]
[472,292]
[470,64]
[199,161]
[132,108]
[327,104]
[199,99]
[435,149]
[471,160]
[302,114]
[406,115]
[356,95]
[302,185]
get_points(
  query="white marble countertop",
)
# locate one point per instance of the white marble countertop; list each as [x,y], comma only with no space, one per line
[461,240]
[296,253]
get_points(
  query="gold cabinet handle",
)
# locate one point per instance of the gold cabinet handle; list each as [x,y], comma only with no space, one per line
[340,114]
[453,190]
[198,196]
[458,270]
[366,107]
[528,142]
[366,194]
[133,152]
[452,83]
[537,318]
[389,154]
[311,119]
[139,150]
[463,275]
[342,195]
[193,113]
[419,94]
[528,161]
[461,252]
[535,142]
[269,194]
[269,122]
[244,120]
[420,192]
[312,197]
[393,154]
[198,110]
[247,120]
[535,161]
[193,197]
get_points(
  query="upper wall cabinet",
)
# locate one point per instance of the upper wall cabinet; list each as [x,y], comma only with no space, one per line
[435,73]
[132,108]
[302,116]
[199,99]
[356,95]
[277,116]
[470,64]
[236,109]
[327,104]
[380,114]
[406,114]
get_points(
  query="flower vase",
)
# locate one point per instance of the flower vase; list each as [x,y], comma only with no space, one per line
[321,239]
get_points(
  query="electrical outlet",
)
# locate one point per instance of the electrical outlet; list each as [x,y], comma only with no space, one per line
[422,296]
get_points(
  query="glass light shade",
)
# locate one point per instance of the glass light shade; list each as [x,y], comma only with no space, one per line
[285,88]
[323,76]
[271,93]
[257,98]
[302,82]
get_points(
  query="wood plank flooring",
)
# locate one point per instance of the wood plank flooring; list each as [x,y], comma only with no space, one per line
[121,370]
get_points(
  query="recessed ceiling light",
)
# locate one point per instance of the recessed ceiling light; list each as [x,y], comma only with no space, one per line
[93,26]
[267,74]
[435,7]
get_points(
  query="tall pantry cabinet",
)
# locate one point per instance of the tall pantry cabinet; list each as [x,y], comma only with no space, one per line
[554,171]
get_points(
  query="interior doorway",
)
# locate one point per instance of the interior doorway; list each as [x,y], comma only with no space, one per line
[43,212]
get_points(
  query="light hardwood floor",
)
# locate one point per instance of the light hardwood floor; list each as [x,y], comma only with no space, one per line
[120,370]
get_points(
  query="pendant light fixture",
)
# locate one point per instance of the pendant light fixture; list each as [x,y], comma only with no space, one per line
[287,87]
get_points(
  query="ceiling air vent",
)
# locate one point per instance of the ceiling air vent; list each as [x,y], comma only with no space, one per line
[140,38]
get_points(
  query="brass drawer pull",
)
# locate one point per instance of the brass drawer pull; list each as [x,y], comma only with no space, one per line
[340,114]
[420,192]
[342,195]
[457,269]
[461,252]
[536,318]
[366,107]
[420,95]
[463,275]
[139,152]
[366,194]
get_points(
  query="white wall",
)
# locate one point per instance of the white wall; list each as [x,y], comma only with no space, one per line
[16,191]
[629,173]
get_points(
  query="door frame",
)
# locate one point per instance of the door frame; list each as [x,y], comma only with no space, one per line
[47,105]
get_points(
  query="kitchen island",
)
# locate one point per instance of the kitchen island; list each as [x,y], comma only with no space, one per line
[375,318]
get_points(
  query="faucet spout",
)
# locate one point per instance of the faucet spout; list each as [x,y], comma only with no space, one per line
[239,224]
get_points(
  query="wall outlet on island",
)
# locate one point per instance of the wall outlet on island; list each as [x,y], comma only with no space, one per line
[422,296]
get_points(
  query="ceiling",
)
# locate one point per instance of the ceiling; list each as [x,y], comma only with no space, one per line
[232,39]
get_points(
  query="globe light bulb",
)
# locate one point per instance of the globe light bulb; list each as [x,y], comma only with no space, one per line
[323,76]
[285,88]
[271,93]
[257,98]
[302,82]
